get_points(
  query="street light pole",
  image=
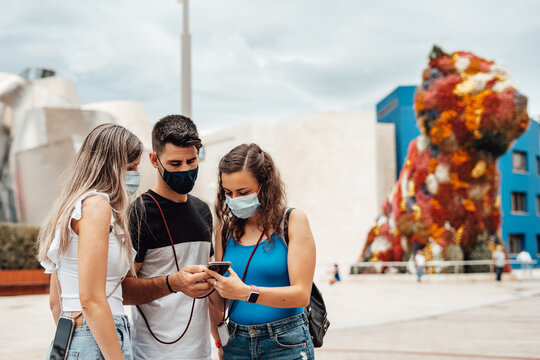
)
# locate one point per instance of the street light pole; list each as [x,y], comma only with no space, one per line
[186,61]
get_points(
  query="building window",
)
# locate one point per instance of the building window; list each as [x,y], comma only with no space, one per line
[519,202]
[515,243]
[519,161]
[538,165]
[385,110]
[538,205]
[537,244]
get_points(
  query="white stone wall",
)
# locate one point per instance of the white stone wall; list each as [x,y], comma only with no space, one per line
[337,168]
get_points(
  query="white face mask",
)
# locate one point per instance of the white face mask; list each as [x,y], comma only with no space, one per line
[244,207]
[132,180]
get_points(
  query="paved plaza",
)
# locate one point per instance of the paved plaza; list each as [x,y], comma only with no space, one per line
[393,317]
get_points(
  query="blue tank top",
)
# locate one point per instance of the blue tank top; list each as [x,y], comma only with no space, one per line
[268,268]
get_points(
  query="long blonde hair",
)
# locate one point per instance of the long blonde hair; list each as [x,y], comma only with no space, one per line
[100,165]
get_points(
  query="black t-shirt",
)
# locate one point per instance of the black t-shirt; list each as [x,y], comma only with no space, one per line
[188,222]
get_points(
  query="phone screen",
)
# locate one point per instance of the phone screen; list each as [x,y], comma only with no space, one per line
[62,338]
[219,266]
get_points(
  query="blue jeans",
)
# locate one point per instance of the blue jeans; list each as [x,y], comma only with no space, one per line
[499,273]
[419,272]
[285,339]
[84,347]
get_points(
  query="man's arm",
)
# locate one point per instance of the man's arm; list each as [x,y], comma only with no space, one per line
[190,280]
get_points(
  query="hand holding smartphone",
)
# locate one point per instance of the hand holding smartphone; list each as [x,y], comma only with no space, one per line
[220,267]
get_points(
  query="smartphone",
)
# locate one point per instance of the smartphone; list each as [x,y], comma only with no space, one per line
[219,266]
[62,338]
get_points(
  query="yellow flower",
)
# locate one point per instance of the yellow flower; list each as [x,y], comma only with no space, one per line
[469,205]
[443,128]
[474,108]
[417,211]
[456,182]
[459,157]
[459,234]
[411,189]
[403,204]
[479,169]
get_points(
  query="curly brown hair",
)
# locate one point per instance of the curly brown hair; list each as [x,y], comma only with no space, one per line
[271,195]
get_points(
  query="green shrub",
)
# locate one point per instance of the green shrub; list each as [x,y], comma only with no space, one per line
[479,251]
[453,253]
[17,247]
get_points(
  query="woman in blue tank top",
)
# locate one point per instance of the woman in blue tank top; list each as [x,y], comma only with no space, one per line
[269,282]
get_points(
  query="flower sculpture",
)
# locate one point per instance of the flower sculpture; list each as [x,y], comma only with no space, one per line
[446,197]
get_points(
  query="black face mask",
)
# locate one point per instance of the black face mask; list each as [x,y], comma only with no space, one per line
[180,182]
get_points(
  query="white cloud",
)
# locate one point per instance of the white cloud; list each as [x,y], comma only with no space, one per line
[261,60]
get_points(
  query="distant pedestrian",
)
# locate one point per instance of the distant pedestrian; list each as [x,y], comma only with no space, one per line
[526,261]
[335,278]
[500,260]
[420,262]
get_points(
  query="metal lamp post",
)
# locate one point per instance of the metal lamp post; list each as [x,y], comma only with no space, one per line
[186,61]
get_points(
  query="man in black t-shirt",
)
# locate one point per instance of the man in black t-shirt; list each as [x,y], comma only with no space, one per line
[171,232]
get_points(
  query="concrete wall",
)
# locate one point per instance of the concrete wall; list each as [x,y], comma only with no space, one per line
[129,114]
[333,165]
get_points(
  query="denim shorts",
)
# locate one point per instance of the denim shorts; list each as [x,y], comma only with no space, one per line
[284,339]
[84,347]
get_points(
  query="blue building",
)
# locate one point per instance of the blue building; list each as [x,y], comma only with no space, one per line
[519,169]
[397,108]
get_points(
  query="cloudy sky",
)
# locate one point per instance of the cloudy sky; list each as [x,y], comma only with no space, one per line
[263,60]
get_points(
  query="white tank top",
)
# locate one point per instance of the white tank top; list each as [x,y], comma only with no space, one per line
[66,264]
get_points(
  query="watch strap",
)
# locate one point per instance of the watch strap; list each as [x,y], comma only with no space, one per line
[253,295]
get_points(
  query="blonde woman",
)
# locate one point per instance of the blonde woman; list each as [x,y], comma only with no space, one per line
[85,244]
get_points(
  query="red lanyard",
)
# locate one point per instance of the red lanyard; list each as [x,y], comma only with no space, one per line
[178,268]
[168,232]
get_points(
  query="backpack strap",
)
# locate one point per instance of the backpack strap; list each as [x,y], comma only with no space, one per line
[286,225]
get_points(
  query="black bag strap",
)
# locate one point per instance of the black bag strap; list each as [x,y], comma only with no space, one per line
[286,225]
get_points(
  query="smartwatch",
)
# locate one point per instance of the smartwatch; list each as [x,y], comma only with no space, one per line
[253,295]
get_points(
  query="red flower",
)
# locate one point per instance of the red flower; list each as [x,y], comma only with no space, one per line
[439,215]
[464,170]
[443,63]
[485,65]
[419,176]
[440,94]
[444,194]
[460,130]
[456,212]
[445,239]
[470,233]
[505,110]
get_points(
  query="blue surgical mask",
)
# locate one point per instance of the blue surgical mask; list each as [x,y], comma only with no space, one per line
[181,182]
[132,180]
[244,207]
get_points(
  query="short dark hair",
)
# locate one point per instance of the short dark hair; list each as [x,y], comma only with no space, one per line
[178,130]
